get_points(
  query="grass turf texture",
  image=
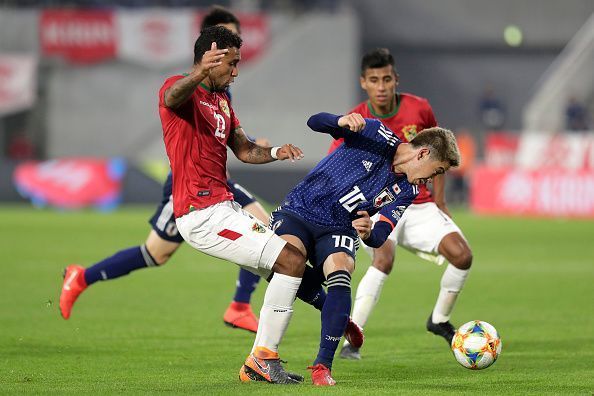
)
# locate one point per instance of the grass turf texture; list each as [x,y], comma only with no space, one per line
[161,330]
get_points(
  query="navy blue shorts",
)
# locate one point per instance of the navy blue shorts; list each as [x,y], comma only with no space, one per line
[320,242]
[163,221]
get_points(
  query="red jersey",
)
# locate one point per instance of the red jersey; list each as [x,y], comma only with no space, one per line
[195,136]
[411,115]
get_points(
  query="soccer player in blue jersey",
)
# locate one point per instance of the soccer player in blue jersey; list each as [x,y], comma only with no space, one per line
[326,214]
[164,239]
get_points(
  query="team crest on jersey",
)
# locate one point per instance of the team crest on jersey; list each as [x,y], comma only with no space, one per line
[383,198]
[409,132]
[224,106]
[257,227]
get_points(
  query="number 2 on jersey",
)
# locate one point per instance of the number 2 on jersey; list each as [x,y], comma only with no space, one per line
[220,131]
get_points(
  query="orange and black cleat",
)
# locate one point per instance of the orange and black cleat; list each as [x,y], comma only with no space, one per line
[321,375]
[265,365]
[74,284]
[241,316]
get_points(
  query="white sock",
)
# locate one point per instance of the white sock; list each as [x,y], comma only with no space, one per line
[368,293]
[452,282]
[276,311]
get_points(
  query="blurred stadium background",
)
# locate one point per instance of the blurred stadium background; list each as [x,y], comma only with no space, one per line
[79,129]
[79,79]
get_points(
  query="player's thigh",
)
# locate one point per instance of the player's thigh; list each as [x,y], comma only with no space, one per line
[423,227]
[293,230]
[336,251]
[225,231]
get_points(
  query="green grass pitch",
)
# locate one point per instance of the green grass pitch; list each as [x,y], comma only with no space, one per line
[161,330]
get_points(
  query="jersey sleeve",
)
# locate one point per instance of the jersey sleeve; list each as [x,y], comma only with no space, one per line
[327,123]
[166,85]
[389,216]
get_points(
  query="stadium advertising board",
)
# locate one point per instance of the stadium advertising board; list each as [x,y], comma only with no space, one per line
[71,183]
[80,36]
[151,37]
[543,192]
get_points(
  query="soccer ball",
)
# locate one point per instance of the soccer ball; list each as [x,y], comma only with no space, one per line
[476,345]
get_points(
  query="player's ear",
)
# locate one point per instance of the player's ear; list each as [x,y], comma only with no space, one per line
[363,82]
[423,153]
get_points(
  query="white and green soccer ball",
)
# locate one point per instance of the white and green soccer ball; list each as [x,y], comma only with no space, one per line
[476,345]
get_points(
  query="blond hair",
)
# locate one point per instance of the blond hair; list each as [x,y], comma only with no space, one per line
[441,143]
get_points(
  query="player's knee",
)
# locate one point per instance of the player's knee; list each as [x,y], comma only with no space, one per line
[290,262]
[383,262]
[162,259]
[463,259]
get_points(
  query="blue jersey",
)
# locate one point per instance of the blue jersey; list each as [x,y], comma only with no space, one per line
[357,176]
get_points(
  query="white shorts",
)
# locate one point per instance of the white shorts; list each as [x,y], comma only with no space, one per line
[226,231]
[420,230]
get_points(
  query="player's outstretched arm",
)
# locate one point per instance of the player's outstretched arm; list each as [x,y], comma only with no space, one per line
[247,151]
[182,89]
[336,125]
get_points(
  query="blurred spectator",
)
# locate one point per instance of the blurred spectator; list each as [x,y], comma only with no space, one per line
[458,190]
[576,115]
[492,110]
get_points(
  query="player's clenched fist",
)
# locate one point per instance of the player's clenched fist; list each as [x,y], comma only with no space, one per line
[354,121]
[363,224]
[210,60]
[288,151]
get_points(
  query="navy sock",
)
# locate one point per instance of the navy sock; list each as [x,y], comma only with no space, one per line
[335,315]
[246,284]
[120,264]
[311,290]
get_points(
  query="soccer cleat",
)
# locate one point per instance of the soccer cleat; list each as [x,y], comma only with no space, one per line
[246,374]
[350,352]
[265,365]
[353,333]
[240,315]
[444,329]
[74,284]
[321,375]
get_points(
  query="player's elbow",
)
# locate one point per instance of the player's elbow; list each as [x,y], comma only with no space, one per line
[311,123]
[243,156]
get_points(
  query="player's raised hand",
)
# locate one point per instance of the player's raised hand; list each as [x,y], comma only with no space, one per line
[354,121]
[211,59]
[288,151]
[362,224]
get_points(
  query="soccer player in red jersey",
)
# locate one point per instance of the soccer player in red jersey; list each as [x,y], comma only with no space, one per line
[426,228]
[198,124]
[164,239]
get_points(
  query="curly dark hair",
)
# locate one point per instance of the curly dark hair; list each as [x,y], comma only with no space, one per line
[219,15]
[379,57]
[224,38]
